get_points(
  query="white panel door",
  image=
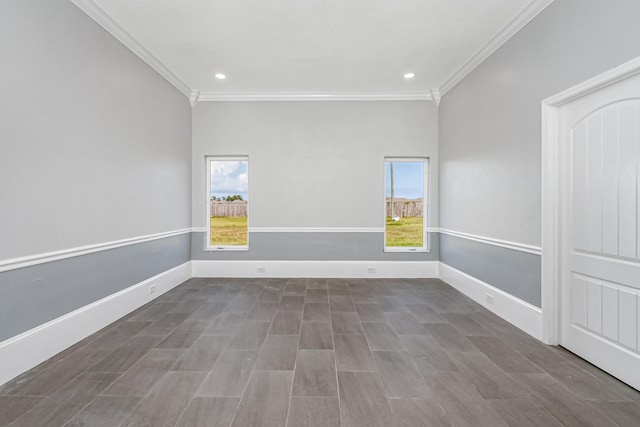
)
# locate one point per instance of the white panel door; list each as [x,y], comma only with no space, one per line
[600,172]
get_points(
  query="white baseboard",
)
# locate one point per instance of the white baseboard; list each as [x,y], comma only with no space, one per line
[342,269]
[514,310]
[27,350]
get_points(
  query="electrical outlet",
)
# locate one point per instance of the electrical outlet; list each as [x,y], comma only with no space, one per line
[261,270]
[152,289]
[490,299]
[371,270]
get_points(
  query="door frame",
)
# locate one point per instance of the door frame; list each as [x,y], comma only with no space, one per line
[552,262]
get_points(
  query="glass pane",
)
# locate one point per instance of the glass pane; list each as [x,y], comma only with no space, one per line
[404,203]
[229,202]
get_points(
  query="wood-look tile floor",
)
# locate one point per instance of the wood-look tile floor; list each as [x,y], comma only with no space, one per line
[314,352]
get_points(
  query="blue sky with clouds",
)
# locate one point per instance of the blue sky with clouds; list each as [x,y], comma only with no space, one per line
[408,179]
[229,177]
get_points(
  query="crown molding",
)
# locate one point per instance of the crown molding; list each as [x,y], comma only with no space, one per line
[313,96]
[103,19]
[494,44]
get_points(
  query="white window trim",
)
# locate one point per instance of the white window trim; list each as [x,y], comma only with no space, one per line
[427,205]
[207,245]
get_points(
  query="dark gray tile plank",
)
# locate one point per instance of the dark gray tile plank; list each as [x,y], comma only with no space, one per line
[405,324]
[316,295]
[180,339]
[314,412]
[291,303]
[138,379]
[381,336]
[278,353]
[66,402]
[125,356]
[418,413]
[490,381]
[391,304]
[227,323]
[345,323]
[449,338]
[12,407]
[316,312]
[167,400]
[525,413]
[105,411]
[425,314]
[286,323]
[558,400]
[315,374]
[230,374]
[353,354]
[203,354]
[262,312]
[466,325]
[250,336]
[503,355]
[362,400]
[371,313]
[399,375]
[316,336]
[266,401]
[341,303]
[209,412]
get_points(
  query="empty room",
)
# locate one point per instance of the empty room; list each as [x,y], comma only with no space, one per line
[358,213]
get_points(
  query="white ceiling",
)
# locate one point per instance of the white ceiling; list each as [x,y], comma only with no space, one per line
[312,46]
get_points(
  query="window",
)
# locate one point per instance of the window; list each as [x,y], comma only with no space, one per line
[405,205]
[227,203]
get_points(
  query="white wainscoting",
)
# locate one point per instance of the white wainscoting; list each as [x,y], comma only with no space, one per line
[27,350]
[514,310]
[329,269]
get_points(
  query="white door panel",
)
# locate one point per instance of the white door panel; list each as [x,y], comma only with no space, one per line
[600,291]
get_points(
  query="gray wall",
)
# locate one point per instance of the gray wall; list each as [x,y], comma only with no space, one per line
[490,123]
[94,147]
[313,164]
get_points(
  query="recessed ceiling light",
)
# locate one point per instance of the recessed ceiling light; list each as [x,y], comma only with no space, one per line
[409,75]
[220,76]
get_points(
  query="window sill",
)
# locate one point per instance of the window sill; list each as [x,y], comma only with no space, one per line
[226,249]
[406,250]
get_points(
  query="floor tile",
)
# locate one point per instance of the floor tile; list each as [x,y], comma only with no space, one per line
[291,303]
[316,336]
[278,353]
[105,411]
[266,401]
[230,374]
[209,412]
[362,400]
[314,412]
[353,354]
[418,413]
[167,400]
[315,374]
[138,379]
[371,313]
[405,324]
[203,354]
[250,336]
[286,323]
[316,312]
[341,303]
[381,336]
[399,375]
[262,312]
[316,295]
[346,323]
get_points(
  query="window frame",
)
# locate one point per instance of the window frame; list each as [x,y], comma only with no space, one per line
[425,200]
[207,241]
